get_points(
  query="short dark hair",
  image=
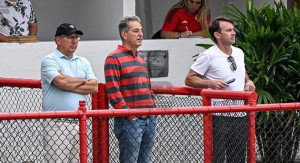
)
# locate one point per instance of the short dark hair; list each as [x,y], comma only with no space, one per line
[124,23]
[215,25]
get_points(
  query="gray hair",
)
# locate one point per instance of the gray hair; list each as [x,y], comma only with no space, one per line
[124,23]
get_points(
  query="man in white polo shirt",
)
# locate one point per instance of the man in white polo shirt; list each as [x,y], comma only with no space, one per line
[214,69]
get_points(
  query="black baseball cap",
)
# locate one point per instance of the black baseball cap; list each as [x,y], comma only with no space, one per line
[67,29]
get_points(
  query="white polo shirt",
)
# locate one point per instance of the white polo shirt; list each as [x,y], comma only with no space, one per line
[212,64]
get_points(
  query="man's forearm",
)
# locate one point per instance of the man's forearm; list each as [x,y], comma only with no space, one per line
[68,83]
[89,87]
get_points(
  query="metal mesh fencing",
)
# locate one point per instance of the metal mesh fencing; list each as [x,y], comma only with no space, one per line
[15,99]
[41,140]
[20,141]
[178,138]
[278,136]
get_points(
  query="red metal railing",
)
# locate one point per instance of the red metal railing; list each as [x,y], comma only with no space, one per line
[27,83]
[250,97]
[82,114]
[101,127]
[100,114]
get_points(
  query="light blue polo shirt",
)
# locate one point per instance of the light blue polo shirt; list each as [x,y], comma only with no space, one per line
[57,99]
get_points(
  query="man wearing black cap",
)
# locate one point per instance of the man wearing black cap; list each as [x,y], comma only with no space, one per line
[66,79]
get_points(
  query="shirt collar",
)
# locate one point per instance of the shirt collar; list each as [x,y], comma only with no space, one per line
[123,48]
[61,55]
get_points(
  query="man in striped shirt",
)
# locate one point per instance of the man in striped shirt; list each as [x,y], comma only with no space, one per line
[128,86]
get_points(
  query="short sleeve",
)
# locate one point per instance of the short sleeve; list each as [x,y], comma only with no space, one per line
[32,17]
[171,21]
[49,69]
[201,64]
[88,70]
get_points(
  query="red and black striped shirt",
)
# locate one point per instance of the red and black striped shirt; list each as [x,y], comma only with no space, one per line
[127,80]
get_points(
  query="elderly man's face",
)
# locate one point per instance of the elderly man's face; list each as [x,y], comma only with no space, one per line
[134,36]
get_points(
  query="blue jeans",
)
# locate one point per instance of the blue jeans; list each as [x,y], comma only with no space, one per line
[136,139]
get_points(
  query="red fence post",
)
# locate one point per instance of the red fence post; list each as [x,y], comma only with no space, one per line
[100,128]
[207,132]
[251,130]
[95,128]
[82,133]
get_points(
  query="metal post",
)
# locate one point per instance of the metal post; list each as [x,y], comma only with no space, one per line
[95,128]
[207,131]
[103,126]
[251,154]
[82,133]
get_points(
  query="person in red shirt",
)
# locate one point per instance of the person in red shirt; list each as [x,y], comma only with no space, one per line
[186,18]
[128,86]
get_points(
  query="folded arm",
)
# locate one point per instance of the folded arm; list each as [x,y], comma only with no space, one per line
[75,84]
[68,83]
[91,86]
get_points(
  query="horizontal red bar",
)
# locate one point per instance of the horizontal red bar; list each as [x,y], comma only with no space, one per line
[14,82]
[165,89]
[154,111]
[40,115]
[222,94]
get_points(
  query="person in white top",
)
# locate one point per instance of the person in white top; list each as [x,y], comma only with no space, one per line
[212,69]
[17,18]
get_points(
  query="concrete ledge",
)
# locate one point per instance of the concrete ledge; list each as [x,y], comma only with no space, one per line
[22,60]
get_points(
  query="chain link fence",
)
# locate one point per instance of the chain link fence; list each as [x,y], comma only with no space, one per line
[178,138]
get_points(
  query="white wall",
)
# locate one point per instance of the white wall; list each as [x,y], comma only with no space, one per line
[23,60]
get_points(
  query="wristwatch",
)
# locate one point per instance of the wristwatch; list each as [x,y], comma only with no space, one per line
[179,35]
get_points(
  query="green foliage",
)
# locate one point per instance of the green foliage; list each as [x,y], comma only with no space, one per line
[270,38]
[205,46]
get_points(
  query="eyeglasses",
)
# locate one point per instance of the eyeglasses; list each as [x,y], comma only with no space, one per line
[71,37]
[233,64]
